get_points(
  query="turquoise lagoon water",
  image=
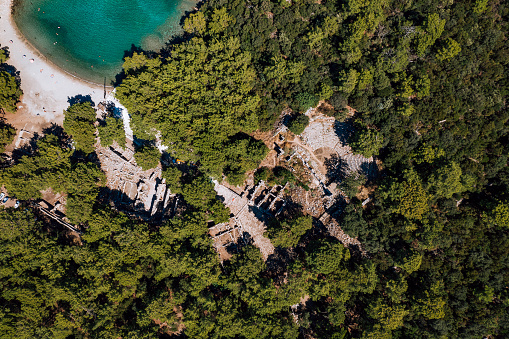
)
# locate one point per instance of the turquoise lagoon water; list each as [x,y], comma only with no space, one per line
[88,38]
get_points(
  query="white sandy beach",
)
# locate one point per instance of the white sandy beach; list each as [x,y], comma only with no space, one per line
[46,88]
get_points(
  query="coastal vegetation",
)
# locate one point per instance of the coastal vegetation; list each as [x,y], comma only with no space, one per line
[53,165]
[298,124]
[9,86]
[79,124]
[428,82]
[7,134]
[147,157]
[111,129]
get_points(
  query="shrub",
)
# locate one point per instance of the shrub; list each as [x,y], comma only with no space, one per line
[7,133]
[172,175]
[79,124]
[298,124]
[263,173]
[147,157]
[113,130]
[282,176]
[288,233]
[367,142]
[306,100]
[235,177]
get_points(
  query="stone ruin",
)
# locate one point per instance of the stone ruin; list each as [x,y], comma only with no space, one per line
[251,209]
[254,204]
[139,193]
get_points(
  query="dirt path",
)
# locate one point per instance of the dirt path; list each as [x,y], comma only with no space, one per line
[321,166]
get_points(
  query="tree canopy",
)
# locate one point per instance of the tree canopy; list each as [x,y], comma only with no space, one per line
[79,124]
[147,157]
[112,130]
[10,91]
[426,83]
[7,133]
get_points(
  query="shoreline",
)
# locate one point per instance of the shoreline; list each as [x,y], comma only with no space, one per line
[46,87]
[39,54]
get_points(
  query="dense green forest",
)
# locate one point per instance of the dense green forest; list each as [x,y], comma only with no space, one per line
[9,85]
[429,82]
[9,97]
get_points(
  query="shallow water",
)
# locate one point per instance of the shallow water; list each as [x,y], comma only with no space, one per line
[88,38]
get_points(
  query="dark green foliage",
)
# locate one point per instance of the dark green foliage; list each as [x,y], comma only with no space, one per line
[172,175]
[9,92]
[102,275]
[52,167]
[199,192]
[7,133]
[427,81]
[83,183]
[367,142]
[305,101]
[47,169]
[147,157]
[79,124]
[243,154]
[9,87]
[298,124]
[3,56]
[282,176]
[205,112]
[326,257]
[263,173]
[277,176]
[112,130]
[351,184]
[288,233]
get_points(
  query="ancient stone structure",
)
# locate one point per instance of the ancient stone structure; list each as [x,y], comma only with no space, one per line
[132,190]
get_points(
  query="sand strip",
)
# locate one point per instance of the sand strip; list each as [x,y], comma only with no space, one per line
[46,88]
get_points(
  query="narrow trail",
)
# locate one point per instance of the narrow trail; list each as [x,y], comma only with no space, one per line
[311,153]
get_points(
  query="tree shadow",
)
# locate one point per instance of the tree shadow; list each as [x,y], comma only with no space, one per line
[113,110]
[56,130]
[278,262]
[65,141]
[337,169]
[168,161]
[335,70]
[287,119]
[139,143]
[318,231]
[237,247]
[166,51]
[110,110]
[290,210]
[79,99]
[128,53]
[118,78]
[369,169]
[12,71]
[120,201]
[28,149]
[261,214]
[336,209]
[344,131]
